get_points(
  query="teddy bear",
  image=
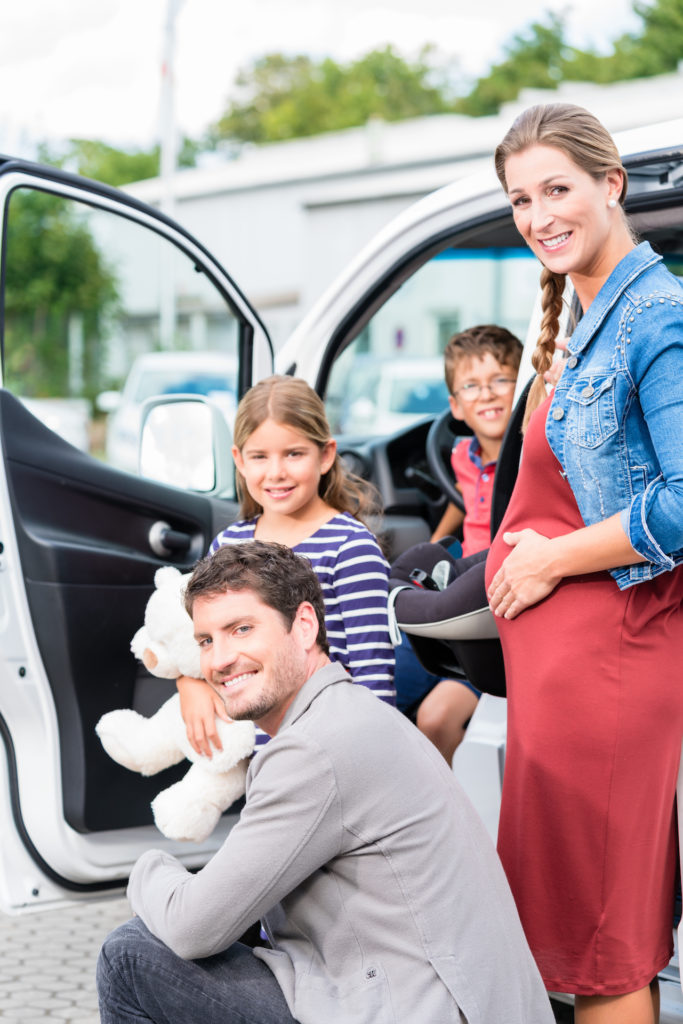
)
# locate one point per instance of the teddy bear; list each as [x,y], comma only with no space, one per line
[189,809]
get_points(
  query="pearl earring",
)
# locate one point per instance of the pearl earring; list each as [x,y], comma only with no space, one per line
[612,203]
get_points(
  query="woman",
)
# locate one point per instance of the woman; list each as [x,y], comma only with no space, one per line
[584,577]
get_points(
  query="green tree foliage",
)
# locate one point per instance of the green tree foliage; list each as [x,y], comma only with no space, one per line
[541,58]
[656,49]
[279,97]
[282,97]
[96,159]
[535,58]
[54,272]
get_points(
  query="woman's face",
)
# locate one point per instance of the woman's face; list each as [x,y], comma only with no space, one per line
[564,216]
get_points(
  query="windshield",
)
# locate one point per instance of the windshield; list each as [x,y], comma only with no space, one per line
[180,381]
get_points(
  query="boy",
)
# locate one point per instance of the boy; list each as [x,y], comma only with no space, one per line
[481,366]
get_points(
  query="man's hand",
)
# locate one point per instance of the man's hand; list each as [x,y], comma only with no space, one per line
[199,706]
[525,577]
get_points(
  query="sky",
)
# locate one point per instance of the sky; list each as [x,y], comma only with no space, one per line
[88,69]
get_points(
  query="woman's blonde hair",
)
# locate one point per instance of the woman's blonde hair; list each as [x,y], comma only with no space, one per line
[581,137]
[293,403]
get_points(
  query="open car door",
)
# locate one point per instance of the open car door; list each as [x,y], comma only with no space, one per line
[91,279]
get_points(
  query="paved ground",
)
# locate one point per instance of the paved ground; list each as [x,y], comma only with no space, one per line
[47,961]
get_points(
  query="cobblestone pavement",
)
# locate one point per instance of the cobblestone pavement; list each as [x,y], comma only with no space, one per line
[47,961]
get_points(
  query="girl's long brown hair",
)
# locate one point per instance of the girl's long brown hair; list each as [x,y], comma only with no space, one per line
[589,145]
[293,403]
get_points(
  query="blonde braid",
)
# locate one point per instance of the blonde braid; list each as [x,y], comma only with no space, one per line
[542,359]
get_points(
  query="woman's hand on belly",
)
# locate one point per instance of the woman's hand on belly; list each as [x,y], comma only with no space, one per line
[525,577]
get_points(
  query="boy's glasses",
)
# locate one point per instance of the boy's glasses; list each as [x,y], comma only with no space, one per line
[497,386]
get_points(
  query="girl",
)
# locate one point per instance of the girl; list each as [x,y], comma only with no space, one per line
[294,489]
[584,576]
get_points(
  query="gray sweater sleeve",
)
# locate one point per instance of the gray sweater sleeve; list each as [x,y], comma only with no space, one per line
[290,827]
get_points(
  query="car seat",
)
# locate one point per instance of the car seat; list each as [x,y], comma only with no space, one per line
[440,601]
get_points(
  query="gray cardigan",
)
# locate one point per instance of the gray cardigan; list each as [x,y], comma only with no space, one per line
[378,886]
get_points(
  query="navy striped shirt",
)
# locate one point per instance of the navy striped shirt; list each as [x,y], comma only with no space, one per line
[353,574]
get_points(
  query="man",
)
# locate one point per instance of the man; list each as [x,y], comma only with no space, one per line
[378,887]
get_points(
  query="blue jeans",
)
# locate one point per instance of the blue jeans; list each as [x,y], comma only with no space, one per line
[141,979]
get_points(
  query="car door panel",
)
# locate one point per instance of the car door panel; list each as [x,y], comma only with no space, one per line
[82,533]
[90,279]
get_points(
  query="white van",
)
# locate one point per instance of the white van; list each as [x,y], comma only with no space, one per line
[76,534]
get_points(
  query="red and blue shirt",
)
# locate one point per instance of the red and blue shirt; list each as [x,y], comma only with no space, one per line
[475,480]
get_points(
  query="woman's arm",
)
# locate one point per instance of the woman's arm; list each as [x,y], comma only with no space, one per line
[654,520]
[536,563]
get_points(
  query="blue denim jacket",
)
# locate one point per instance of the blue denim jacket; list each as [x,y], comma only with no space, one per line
[616,419]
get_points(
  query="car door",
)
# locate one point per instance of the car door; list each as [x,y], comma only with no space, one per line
[91,279]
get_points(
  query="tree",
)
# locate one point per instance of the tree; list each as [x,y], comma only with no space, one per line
[655,50]
[541,58]
[96,159]
[280,97]
[534,59]
[53,272]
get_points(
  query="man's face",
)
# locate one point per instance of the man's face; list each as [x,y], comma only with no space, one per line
[249,656]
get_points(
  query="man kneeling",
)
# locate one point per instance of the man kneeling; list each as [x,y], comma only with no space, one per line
[378,887]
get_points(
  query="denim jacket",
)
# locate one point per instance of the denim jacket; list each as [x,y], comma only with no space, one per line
[616,419]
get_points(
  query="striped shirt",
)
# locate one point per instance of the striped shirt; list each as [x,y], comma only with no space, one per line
[353,574]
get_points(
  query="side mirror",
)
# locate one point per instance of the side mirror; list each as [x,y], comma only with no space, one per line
[186,442]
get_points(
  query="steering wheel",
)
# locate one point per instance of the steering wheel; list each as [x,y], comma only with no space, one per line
[440,436]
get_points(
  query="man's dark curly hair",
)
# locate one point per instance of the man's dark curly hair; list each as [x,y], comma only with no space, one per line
[281,578]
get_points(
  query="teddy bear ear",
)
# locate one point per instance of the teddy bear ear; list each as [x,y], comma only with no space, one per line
[166,575]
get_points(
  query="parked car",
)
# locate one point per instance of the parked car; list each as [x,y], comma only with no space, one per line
[213,374]
[391,396]
[81,539]
[68,417]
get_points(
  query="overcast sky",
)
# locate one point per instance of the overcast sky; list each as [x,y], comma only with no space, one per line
[92,68]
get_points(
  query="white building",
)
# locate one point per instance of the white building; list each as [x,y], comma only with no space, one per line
[284,218]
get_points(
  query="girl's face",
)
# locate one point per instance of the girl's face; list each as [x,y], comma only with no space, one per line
[282,469]
[563,215]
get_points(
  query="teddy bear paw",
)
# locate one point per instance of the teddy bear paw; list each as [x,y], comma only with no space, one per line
[132,741]
[191,808]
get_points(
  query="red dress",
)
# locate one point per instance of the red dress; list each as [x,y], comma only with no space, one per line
[595,723]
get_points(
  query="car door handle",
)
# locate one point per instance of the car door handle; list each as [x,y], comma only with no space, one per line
[165,541]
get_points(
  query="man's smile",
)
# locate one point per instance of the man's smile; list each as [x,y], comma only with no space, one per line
[234,680]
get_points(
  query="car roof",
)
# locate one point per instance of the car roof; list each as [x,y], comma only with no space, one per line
[412,366]
[185,358]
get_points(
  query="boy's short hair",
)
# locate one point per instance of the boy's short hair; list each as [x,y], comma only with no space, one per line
[280,577]
[475,342]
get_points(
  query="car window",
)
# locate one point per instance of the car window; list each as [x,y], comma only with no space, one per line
[419,398]
[101,313]
[182,381]
[391,374]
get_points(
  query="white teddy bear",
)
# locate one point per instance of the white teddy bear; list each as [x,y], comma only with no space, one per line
[189,809]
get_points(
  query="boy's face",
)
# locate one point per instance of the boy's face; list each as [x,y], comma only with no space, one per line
[486,406]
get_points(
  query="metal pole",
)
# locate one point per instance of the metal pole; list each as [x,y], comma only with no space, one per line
[169,148]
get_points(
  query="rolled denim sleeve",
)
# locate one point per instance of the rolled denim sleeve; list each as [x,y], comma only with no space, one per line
[654,520]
